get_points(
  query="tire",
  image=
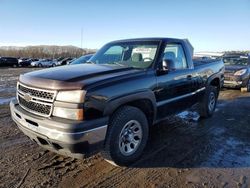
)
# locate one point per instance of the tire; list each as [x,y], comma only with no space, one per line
[248,86]
[14,66]
[53,65]
[208,103]
[126,137]
[39,65]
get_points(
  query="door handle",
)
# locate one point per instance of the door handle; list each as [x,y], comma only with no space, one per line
[189,77]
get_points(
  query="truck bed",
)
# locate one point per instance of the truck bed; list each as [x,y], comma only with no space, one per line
[200,62]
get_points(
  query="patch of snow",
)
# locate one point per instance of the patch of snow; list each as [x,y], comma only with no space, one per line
[189,115]
[2,79]
[6,100]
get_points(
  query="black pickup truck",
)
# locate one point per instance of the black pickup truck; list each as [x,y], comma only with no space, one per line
[109,103]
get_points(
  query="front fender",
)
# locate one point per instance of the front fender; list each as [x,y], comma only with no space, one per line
[115,103]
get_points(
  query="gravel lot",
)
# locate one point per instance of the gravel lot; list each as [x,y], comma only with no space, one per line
[180,153]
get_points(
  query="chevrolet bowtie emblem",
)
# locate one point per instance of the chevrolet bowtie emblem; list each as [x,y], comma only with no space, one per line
[27,97]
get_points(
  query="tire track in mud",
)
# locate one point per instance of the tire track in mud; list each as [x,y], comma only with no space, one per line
[108,169]
[4,115]
[10,143]
[89,171]
[122,176]
[121,172]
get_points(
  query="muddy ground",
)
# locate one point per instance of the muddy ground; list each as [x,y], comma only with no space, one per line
[180,153]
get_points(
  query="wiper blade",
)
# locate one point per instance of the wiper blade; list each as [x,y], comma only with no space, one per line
[90,62]
[116,63]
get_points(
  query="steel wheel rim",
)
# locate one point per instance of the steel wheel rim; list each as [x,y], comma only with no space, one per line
[130,137]
[212,101]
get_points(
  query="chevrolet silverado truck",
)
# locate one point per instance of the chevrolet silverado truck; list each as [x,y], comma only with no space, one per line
[108,104]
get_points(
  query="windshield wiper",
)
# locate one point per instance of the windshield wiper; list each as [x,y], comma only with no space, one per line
[116,63]
[90,62]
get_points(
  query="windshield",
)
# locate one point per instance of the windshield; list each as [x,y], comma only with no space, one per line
[82,59]
[236,61]
[135,54]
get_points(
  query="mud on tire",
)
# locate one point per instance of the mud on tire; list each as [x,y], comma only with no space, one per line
[208,103]
[124,119]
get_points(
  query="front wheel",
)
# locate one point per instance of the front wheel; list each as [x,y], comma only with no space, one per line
[248,86]
[126,137]
[208,103]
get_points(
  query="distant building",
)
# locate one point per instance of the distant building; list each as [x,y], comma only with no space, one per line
[209,55]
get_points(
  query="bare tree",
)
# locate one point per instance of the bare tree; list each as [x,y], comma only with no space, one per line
[44,51]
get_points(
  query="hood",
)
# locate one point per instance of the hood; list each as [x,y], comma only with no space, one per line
[234,68]
[74,76]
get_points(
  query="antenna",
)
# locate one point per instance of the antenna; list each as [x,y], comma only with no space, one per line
[81,36]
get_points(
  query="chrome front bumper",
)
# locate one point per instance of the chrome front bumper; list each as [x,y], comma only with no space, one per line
[67,137]
[232,83]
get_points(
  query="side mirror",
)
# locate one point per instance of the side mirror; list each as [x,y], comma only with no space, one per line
[168,64]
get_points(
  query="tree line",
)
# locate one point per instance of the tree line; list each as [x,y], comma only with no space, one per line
[44,51]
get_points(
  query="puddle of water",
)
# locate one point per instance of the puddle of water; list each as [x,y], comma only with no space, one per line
[8,90]
[2,85]
[222,104]
[231,153]
[6,100]
[218,131]
[189,115]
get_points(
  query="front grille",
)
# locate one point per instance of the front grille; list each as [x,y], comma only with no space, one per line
[36,93]
[228,78]
[229,75]
[229,71]
[42,109]
[34,100]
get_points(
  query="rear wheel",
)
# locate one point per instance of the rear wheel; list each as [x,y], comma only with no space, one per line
[39,65]
[208,104]
[126,137]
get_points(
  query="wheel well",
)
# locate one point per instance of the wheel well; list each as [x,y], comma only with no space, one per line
[146,106]
[216,83]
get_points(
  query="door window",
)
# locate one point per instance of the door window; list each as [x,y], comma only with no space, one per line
[175,53]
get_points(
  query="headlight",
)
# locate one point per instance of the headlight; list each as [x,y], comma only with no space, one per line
[240,72]
[68,113]
[75,96]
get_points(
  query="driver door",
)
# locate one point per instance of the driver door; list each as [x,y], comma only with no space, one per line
[174,87]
